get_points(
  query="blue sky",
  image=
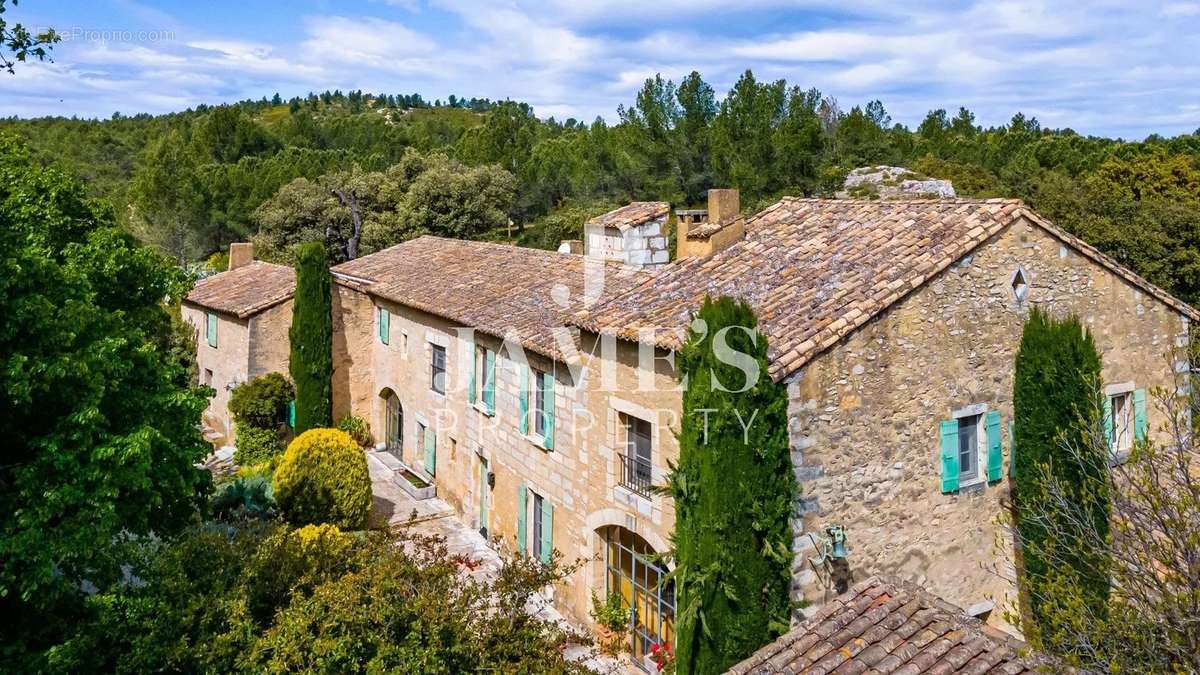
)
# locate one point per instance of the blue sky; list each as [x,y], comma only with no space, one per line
[1105,67]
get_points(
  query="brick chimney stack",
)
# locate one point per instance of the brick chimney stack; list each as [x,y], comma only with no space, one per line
[240,253]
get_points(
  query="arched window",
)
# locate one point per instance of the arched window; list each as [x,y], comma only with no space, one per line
[632,572]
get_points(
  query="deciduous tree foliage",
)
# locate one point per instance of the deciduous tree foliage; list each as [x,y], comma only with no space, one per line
[733,491]
[311,335]
[1057,405]
[97,413]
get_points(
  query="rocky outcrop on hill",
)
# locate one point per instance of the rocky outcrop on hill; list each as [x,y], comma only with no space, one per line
[892,182]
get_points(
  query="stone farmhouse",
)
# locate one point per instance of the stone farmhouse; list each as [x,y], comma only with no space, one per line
[536,390]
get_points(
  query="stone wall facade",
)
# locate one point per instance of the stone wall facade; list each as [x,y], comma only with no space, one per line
[246,348]
[580,476]
[864,415]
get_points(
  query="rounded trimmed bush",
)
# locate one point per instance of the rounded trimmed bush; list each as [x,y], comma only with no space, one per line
[256,445]
[323,478]
[262,402]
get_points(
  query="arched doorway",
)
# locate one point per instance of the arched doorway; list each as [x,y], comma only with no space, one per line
[632,571]
[393,423]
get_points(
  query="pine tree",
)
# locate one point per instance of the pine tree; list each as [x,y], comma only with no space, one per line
[311,336]
[1057,408]
[734,491]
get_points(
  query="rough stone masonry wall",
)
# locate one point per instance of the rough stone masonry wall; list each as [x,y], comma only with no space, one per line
[643,246]
[864,415]
[228,361]
[270,346]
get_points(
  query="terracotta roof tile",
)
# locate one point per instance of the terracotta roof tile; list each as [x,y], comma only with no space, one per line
[817,269]
[632,215]
[859,632]
[246,290]
[498,289]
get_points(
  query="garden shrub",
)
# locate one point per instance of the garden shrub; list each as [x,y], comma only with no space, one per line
[323,478]
[244,498]
[256,445]
[358,429]
[262,402]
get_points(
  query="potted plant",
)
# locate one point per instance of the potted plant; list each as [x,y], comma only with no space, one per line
[663,657]
[613,618]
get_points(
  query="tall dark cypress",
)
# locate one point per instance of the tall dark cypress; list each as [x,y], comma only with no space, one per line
[1058,409]
[311,336]
[734,491]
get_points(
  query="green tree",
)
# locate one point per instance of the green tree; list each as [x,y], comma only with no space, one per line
[1056,404]
[169,200]
[17,39]
[697,108]
[743,135]
[311,336]
[734,492]
[98,417]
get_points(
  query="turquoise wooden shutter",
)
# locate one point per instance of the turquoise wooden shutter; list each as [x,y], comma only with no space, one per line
[489,381]
[1139,414]
[548,415]
[291,413]
[385,325]
[949,433]
[521,508]
[1108,424]
[210,329]
[471,371]
[1012,450]
[430,452]
[524,383]
[547,516]
[995,453]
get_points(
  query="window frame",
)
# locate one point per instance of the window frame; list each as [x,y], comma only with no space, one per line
[538,409]
[978,412]
[970,423]
[1121,440]
[435,351]
[642,463]
[535,531]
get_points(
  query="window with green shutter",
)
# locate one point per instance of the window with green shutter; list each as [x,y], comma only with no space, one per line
[523,413]
[547,411]
[546,530]
[385,325]
[489,381]
[949,454]
[430,452]
[1012,450]
[210,329]
[995,447]
[472,354]
[1139,414]
[522,506]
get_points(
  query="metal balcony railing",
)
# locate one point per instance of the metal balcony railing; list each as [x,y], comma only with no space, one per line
[635,474]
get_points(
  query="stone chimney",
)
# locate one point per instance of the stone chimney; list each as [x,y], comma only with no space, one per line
[240,254]
[700,233]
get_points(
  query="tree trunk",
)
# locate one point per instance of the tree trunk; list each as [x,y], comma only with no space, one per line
[350,199]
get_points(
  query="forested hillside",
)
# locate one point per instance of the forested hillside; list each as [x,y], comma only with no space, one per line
[284,172]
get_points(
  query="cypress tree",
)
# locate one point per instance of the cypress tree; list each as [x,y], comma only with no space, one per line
[311,336]
[1058,411]
[733,491]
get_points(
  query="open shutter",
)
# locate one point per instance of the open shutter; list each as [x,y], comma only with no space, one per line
[548,414]
[471,371]
[995,453]
[1109,436]
[489,381]
[385,325]
[521,509]
[524,412]
[210,329]
[430,452]
[291,413]
[547,516]
[1012,450]
[1139,414]
[949,434]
